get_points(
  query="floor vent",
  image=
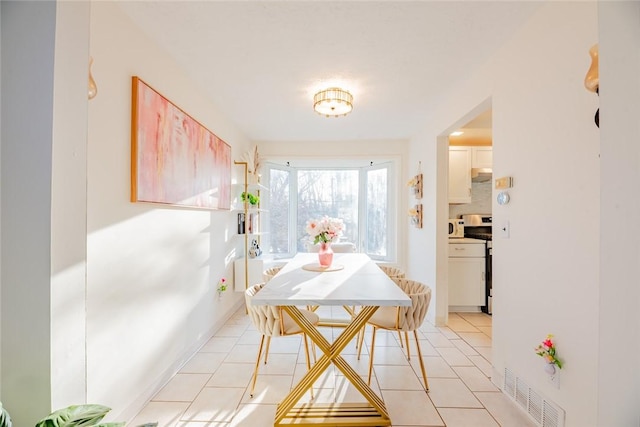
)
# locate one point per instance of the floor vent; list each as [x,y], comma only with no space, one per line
[544,412]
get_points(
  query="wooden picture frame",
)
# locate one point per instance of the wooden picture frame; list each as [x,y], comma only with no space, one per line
[174,159]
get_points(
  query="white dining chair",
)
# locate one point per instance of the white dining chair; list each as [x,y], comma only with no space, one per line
[403,319]
[273,321]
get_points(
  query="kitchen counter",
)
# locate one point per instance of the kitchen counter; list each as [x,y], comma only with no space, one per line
[465,240]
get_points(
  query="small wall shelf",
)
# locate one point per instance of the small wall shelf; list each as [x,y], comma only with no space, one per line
[248,271]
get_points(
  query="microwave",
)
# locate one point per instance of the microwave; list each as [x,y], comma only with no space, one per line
[456,228]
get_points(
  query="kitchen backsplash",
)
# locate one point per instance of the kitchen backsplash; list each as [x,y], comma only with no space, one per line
[480,201]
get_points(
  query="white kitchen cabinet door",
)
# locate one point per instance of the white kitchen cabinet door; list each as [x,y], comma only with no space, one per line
[466,282]
[459,175]
[482,157]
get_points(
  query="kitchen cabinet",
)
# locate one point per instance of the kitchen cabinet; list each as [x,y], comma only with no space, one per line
[467,274]
[482,157]
[459,174]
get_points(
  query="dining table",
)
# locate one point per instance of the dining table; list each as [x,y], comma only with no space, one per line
[352,280]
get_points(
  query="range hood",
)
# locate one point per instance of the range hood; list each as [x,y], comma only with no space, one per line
[481,174]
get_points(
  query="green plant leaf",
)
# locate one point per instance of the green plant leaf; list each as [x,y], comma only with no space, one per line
[110,425]
[76,416]
[251,198]
[5,419]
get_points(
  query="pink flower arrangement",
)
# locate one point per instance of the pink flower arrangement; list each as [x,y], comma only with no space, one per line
[547,350]
[325,229]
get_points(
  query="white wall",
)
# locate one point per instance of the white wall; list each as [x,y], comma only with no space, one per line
[27,115]
[618,321]
[546,274]
[151,270]
[69,205]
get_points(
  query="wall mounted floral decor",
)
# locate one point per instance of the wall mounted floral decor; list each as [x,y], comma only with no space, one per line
[222,286]
[415,215]
[416,186]
[547,350]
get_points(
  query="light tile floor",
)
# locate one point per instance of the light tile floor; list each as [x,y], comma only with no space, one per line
[212,389]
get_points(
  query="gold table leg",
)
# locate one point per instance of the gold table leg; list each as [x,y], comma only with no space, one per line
[374,414]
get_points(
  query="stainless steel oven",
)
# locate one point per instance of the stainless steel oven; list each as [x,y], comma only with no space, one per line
[479,226]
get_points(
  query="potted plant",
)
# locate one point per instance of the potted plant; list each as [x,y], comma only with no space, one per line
[72,416]
[5,419]
[251,198]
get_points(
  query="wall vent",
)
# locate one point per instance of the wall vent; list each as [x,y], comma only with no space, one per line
[543,411]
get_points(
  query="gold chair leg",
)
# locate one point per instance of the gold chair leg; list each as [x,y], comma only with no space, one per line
[373,343]
[266,352]
[400,338]
[406,338]
[424,372]
[306,354]
[255,371]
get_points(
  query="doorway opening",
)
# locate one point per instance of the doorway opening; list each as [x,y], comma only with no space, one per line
[467,148]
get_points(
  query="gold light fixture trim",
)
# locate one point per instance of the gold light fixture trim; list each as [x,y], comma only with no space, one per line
[333,102]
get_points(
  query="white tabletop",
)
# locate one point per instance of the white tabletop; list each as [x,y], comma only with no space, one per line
[361,282]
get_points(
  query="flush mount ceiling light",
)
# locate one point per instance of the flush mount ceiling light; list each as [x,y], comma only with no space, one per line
[333,102]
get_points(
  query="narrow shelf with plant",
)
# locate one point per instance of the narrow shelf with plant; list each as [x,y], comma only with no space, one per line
[247,206]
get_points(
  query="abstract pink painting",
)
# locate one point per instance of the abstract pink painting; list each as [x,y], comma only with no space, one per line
[174,159]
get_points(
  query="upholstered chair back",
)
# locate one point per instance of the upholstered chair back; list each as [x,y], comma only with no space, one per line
[411,318]
[270,272]
[265,318]
[392,272]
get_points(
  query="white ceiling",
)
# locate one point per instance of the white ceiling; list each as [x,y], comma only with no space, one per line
[263,61]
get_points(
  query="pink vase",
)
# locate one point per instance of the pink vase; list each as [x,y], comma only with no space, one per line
[325,254]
